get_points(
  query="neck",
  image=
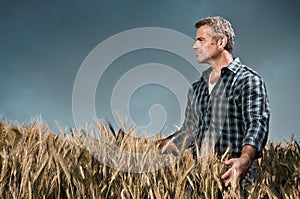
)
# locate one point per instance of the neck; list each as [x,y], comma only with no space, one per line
[223,60]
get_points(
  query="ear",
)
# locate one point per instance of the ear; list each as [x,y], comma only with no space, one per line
[222,42]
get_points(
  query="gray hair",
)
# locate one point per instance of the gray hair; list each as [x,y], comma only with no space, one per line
[221,28]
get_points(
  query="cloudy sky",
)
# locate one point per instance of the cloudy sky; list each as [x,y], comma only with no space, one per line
[43,45]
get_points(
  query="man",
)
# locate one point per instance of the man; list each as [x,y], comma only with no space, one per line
[229,102]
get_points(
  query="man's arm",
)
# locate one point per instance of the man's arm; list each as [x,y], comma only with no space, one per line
[184,136]
[241,164]
[255,111]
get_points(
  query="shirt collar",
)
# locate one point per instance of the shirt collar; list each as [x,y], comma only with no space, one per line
[233,67]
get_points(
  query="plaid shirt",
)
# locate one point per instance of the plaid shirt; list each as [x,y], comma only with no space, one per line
[236,112]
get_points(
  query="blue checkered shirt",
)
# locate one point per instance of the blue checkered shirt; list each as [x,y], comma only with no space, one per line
[236,112]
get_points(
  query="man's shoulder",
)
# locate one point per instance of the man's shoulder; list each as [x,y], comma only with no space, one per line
[237,67]
[246,72]
[248,76]
[197,83]
[202,79]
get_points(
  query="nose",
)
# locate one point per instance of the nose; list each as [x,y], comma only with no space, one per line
[195,46]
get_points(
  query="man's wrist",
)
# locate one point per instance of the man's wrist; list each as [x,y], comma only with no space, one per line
[249,152]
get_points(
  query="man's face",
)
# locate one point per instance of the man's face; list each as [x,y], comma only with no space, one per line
[205,45]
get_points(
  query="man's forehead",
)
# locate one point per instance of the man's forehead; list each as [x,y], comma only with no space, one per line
[204,30]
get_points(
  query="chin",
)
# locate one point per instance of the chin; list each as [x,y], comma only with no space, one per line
[201,61]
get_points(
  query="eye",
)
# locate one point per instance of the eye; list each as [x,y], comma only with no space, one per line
[200,39]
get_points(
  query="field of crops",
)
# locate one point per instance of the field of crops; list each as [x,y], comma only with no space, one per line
[38,163]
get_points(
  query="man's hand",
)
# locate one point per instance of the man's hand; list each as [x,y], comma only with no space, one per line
[241,165]
[161,143]
[166,145]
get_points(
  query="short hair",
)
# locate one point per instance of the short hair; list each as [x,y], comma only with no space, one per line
[221,28]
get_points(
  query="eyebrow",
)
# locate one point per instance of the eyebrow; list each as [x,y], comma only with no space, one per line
[199,38]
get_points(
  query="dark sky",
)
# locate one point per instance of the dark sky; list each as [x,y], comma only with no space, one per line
[43,44]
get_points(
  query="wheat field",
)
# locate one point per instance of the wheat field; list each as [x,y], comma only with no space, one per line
[38,163]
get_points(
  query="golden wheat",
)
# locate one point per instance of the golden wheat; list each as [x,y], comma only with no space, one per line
[38,163]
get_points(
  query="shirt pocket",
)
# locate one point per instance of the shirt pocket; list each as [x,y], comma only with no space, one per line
[234,100]
[234,111]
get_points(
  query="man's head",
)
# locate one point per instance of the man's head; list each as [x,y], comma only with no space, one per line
[220,28]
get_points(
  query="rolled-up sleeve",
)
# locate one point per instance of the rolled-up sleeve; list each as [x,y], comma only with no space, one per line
[256,113]
[184,138]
